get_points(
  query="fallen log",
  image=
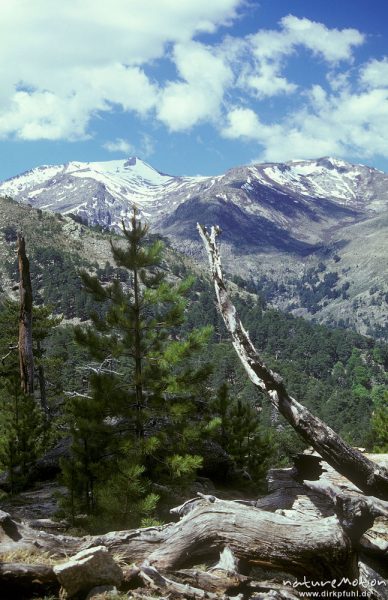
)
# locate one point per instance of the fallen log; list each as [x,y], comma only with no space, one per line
[348,461]
[315,548]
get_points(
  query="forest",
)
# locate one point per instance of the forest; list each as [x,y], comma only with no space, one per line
[132,374]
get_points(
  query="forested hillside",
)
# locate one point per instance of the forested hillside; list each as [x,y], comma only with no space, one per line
[139,398]
[337,373]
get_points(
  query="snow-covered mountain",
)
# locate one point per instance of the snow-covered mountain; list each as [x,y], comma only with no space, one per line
[291,207]
[285,195]
[100,193]
[302,229]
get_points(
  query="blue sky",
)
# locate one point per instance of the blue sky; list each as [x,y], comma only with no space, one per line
[192,87]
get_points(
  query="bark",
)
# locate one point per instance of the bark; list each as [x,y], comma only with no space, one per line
[152,577]
[348,461]
[312,548]
[25,320]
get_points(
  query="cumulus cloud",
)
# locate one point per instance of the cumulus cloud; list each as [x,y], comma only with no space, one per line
[121,146]
[375,73]
[269,50]
[332,45]
[198,95]
[144,149]
[62,62]
[242,123]
[339,124]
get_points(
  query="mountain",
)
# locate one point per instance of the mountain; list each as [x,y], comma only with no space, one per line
[101,193]
[310,235]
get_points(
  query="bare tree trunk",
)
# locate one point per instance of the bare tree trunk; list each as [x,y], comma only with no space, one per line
[368,476]
[25,320]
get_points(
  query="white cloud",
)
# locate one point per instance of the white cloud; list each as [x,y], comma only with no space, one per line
[265,81]
[198,95]
[121,146]
[375,73]
[242,123]
[353,123]
[144,149]
[331,44]
[147,145]
[265,53]
[84,56]
[63,63]
[44,115]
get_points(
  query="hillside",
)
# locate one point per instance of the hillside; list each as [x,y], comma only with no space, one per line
[309,355]
[311,236]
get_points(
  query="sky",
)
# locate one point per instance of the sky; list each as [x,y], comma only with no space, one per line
[192,86]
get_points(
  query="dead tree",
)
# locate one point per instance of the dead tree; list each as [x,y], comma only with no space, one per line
[365,474]
[25,320]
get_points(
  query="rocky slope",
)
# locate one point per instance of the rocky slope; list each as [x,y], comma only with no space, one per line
[312,235]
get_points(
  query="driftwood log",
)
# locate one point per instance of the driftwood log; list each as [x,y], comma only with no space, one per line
[25,320]
[365,474]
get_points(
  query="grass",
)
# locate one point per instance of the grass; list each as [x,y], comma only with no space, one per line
[29,557]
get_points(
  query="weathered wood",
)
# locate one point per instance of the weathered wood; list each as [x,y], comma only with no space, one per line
[348,461]
[231,585]
[257,537]
[25,320]
[158,582]
[217,581]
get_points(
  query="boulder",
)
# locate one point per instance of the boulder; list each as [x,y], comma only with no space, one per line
[88,569]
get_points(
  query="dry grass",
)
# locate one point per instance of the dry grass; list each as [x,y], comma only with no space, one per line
[30,557]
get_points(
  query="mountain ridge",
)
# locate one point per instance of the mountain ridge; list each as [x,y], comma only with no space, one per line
[311,234]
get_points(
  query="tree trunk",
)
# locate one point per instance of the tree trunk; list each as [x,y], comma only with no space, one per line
[368,476]
[303,547]
[25,320]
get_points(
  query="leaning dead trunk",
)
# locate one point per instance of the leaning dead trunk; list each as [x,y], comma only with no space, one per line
[368,476]
[25,320]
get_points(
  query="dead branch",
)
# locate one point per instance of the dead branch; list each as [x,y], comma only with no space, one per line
[11,349]
[348,461]
[25,320]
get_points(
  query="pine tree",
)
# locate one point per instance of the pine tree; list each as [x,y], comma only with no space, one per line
[140,416]
[23,424]
[380,425]
[242,435]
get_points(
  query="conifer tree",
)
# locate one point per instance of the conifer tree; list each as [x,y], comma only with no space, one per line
[380,425]
[242,435]
[23,423]
[139,417]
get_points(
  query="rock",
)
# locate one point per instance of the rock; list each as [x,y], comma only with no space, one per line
[88,569]
[99,592]
[8,528]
